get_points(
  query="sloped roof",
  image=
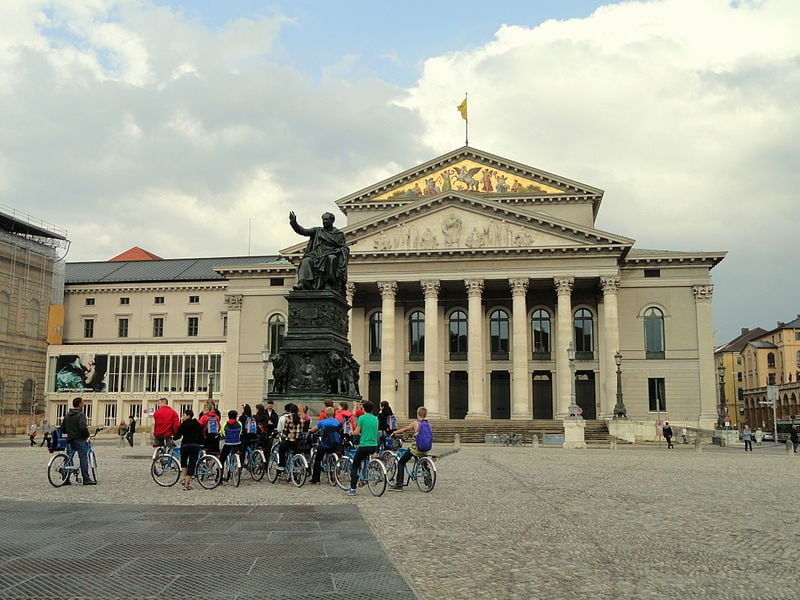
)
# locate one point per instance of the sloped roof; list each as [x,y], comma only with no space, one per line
[135,253]
[737,344]
[138,271]
[645,256]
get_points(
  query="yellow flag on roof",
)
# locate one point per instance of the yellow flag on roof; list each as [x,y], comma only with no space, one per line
[462,108]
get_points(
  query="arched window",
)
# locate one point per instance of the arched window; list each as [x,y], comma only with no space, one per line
[3,312]
[32,325]
[771,360]
[375,335]
[654,333]
[458,335]
[28,390]
[416,335]
[540,334]
[276,331]
[498,334]
[584,337]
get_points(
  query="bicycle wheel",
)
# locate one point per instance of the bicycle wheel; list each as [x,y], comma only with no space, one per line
[235,468]
[299,470]
[425,471]
[209,472]
[389,460]
[272,466]
[342,472]
[165,470]
[258,465]
[57,472]
[330,468]
[376,477]
[93,464]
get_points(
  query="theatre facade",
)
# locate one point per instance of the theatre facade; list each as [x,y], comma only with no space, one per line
[470,277]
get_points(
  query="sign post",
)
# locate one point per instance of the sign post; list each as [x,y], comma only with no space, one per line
[772,397]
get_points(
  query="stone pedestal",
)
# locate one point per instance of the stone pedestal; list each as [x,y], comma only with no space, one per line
[622,429]
[574,428]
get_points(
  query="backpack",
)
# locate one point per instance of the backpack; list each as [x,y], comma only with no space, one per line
[57,441]
[391,422]
[347,425]
[212,425]
[250,426]
[424,440]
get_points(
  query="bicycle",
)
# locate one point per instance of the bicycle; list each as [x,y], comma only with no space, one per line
[372,473]
[328,464]
[233,468]
[296,469]
[254,461]
[423,471]
[62,466]
[165,469]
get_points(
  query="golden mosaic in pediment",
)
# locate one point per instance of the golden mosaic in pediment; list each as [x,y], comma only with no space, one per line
[470,176]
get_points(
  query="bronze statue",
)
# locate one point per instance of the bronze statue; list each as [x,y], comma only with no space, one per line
[280,373]
[324,263]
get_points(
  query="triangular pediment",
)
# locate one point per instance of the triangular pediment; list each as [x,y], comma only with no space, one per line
[471,171]
[463,223]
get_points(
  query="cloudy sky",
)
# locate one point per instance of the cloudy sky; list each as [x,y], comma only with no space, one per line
[182,126]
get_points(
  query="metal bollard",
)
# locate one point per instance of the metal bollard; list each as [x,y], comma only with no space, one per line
[789,448]
[612,444]
[697,446]
[534,441]
[457,440]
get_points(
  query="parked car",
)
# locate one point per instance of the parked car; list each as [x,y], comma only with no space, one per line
[769,436]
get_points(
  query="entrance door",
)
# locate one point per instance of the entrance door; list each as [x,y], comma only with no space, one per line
[374,388]
[585,394]
[542,395]
[459,394]
[501,394]
[416,392]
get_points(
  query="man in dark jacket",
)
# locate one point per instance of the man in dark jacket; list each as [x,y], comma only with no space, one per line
[131,430]
[76,430]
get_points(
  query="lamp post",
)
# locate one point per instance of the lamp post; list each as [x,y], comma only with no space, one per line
[211,387]
[620,412]
[573,407]
[265,360]
[723,409]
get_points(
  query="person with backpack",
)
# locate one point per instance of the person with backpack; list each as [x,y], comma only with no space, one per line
[367,432]
[423,442]
[293,426]
[231,435]
[329,430]
[249,425]
[211,421]
[387,422]
[345,417]
[76,430]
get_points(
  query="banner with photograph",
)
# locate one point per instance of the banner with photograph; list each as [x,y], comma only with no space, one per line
[81,373]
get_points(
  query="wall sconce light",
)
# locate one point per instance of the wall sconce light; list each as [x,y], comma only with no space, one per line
[396,385]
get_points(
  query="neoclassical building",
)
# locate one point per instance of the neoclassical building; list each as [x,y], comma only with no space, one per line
[470,277]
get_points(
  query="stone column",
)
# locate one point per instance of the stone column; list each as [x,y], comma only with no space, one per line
[388,291]
[608,368]
[433,403]
[520,378]
[705,355]
[475,359]
[563,338]
[230,372]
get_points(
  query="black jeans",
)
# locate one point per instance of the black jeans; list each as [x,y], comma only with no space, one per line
[748,445]
[362,453]
[318,458]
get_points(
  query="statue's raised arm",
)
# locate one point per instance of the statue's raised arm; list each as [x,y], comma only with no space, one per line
[324,262]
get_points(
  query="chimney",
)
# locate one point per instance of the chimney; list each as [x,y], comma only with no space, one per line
[745,330]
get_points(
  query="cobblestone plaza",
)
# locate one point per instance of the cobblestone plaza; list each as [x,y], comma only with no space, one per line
[638,522]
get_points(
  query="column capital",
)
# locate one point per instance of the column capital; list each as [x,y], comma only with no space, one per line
[609,284]
[703,293]
[350,291]
[474,287]
[388,289]
[233,301]
[430,288]
[519,286]
[564,285]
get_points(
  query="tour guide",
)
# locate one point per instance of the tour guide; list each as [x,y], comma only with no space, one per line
[324,263]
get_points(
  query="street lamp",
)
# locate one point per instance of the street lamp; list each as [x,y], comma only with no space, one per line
[619,408]
[265,360]
[573,407]
[723,409]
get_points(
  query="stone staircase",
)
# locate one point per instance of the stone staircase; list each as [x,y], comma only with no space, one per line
[475,431]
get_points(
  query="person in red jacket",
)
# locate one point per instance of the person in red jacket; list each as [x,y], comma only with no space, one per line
[165,423]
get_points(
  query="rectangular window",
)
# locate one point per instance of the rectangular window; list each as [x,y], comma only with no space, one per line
[739,376]
[122,328]
[224,325]
[652,272]
[158,326]
[136,412]
[124,300]
[88,328]
[276,281]
[110,415]
[194,299]
[656,394]
[158,300]
[89,302]
[797,335]
[192,326]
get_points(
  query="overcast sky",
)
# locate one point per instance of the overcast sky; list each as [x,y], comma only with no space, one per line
[181,126]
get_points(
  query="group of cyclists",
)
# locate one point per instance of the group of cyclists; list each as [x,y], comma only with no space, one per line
[334,430]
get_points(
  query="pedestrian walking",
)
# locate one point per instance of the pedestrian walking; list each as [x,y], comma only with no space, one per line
[793,438]
[122,431]
[759,435]
[667,433]
[131,430]
[32,433]
[747,438]
[45,433]
[684,436]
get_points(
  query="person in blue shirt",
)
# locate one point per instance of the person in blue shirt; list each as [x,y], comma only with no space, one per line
[330,431]
[231,435]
